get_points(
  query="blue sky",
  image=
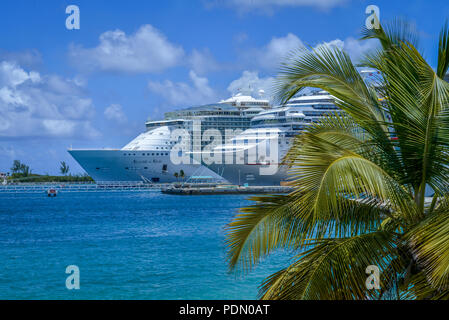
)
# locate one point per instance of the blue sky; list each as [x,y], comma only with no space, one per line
[130,60]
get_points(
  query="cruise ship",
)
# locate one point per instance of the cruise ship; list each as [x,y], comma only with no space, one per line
[147,158]
[253,157]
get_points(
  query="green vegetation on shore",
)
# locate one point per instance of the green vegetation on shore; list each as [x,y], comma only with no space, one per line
[49,178]
[21,172]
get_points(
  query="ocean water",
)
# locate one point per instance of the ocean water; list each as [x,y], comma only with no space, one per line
[126,245]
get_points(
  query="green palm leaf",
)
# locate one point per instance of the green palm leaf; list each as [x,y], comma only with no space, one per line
[333,269]
[359,179]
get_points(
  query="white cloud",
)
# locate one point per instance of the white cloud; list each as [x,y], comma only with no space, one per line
[355,48]
[251,83]
[35,105]
[10,74]
[270,56]
[269,5]
[202,61]
[181,93]
[145,51]
[115,112]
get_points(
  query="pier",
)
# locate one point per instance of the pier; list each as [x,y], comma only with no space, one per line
[78,187]
[166,188]
[218,190]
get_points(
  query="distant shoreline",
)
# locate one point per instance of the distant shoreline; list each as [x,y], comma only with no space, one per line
[49,178]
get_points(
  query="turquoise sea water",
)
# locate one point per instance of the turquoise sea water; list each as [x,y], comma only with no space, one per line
[126,245]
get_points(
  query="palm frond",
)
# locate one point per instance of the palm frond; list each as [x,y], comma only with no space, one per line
[260,229]
[334,269]
[443,52]
[325,174]
[393,33]
[429,243]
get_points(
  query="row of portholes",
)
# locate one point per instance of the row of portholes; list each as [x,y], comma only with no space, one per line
[148,154]
[135,169]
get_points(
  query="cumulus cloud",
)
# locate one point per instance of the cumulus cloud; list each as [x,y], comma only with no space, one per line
[202,61]
[35,105]
[115,112]
[269,5]
[355,48]
[181,93]
[250,82]
[270,56]
[147,50]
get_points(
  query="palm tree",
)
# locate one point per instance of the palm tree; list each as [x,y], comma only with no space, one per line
[176,175]
[181,174]
[360,179]
[20,168]
[64,168]
[25,170]
[16,166]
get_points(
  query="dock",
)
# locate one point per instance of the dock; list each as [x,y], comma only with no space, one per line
[19,188]
[219,190]
[166,188]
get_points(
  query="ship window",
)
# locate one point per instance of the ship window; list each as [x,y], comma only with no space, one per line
[152,154]
[127,168]
[145,168]
[164,167]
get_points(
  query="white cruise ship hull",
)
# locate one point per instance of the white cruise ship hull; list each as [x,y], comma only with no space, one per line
[249,174]
[271,133]
[135,166]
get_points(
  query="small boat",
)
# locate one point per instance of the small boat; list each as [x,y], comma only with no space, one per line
[52,192]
